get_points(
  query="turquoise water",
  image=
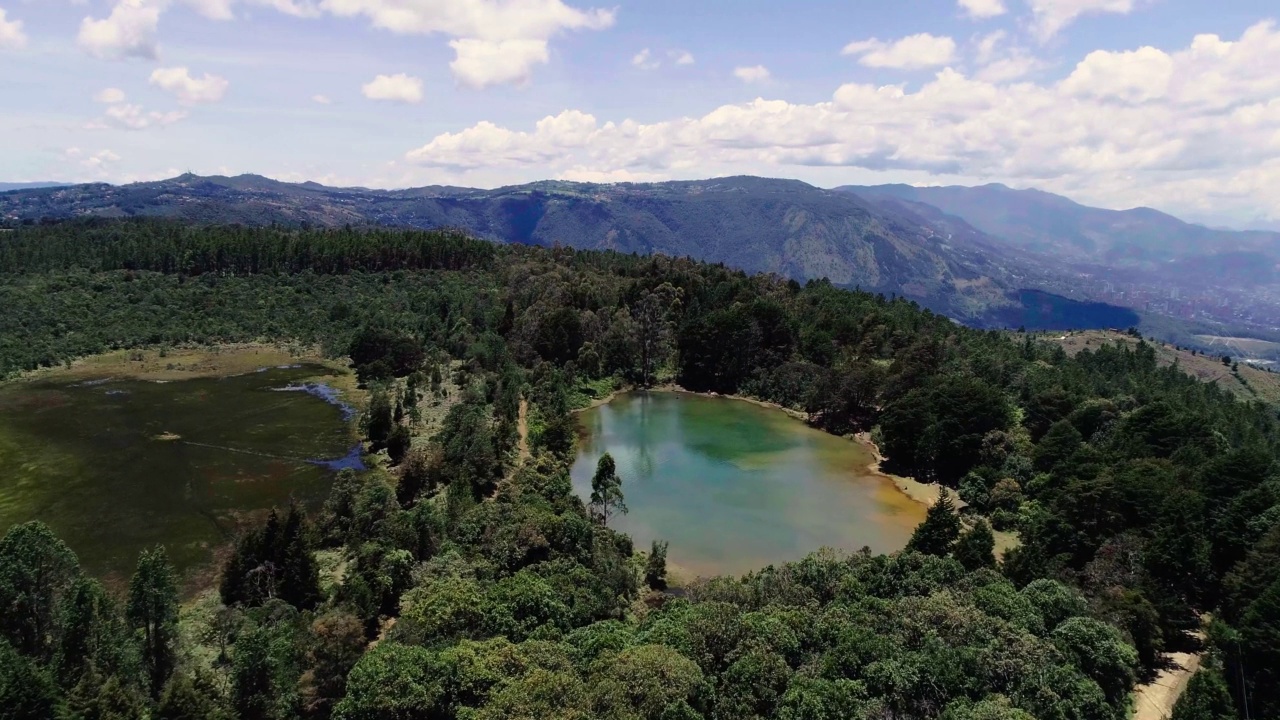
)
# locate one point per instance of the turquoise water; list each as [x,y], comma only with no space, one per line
[734,486]
[115,466]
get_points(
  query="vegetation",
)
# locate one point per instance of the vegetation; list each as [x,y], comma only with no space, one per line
[1144,499]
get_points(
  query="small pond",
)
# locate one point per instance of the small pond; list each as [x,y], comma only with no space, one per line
[734,486]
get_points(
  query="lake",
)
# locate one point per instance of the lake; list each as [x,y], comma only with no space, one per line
[115,466]
[734,486]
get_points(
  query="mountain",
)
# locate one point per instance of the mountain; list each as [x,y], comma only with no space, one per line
[759,225]
[1041,222]
[6,187]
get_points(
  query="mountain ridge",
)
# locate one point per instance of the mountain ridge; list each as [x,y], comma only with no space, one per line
[786,227]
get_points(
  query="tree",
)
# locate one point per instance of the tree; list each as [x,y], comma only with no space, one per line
[377,422]
[655,568]
[26,692]
[1206,697]
[398,443]
[251,673]
[1101,654]
[153,613]
[93,635]
[394,682]
[274,561]
[185,699]
[337,641]
[36,569]
[653,326]
[940,529]
[606,490]
[976,547]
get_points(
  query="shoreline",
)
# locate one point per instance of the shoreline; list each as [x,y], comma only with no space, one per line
[925,494]
[182,362]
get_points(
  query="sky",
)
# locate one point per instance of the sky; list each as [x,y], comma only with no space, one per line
[1172,104]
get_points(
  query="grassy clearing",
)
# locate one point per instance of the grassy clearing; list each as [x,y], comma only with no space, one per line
[182,363]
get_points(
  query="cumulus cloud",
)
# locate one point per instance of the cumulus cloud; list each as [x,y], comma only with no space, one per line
[682,57]
[321,99]
[753,74]
[394,88]
[110,96]
[127,116]
[190,90]
[481,63]
[983,8]
[11,35]
[495,41]
[644,60]
[129,31]
[1195,127]
[1051,16]
[910,53]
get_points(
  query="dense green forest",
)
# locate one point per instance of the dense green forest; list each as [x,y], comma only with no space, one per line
[1147,503]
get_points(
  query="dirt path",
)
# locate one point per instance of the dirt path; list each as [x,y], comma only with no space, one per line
[1155,700]
[522,427]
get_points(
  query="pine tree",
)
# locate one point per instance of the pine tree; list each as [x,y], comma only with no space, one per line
[92,635]
[655,570]
[940,529]
[26,692]
[976,547]
[153,613]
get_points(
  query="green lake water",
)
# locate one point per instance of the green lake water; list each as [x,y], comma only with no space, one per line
[114,466]
[734,486]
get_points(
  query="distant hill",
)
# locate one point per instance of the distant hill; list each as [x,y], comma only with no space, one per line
[760,225]
[1245,381]
[6,187]
[1053,225]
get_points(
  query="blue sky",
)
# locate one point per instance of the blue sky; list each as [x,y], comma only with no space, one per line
[1173,104]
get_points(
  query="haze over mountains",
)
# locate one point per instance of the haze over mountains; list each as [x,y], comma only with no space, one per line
[977,254]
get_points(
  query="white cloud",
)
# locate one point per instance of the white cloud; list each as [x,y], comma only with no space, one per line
[1051,16]
[495,41]
[753,74]
[1197,128]
[190,91]
[135,117]
[213,9]
[396,88]
[110,96]
[11,35]
[481,63]
[910,53]
[983,8]
[129,31]
[644,60]
[1137,76]
[1001,64]
[682,57]
[321,99]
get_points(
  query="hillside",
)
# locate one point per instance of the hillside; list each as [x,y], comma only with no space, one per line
[1042,222]
[1245,382]
[759,225]
[462,576]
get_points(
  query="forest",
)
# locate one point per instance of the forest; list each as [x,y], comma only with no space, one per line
[475,584]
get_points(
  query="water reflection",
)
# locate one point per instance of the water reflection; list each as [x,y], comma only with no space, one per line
[734,486]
